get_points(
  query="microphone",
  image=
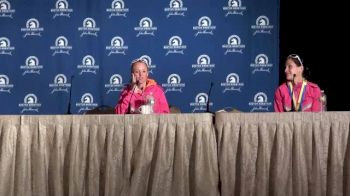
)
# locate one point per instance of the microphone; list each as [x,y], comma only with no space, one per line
[208,102]
[291,100]
[70,95]
[132,94]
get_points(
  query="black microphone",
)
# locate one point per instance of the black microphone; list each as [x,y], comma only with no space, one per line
[132,94]
[70,95]
[291,100]
[208,102]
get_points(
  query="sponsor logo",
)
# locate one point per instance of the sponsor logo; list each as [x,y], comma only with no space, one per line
[232,83]
[175,8]
[262,26]
[30,104]
[60,84]
[61,9]
[31,66]
[203,65]
[117,46]
[260,103]
[32,28]
[115,84]
[261,64]
[175,46]
[89,28]
[201,102]
[86,103]
[173,84]
[233,45]
[5,46]
[88,65]
[145,27]
[5,9]
[117,9]
[234,7]
[5,85]
[61,46]
[204,26]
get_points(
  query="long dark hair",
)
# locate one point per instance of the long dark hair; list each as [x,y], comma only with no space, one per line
[299,62]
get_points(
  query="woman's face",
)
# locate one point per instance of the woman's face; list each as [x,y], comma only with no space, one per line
[140,72]
[291,69]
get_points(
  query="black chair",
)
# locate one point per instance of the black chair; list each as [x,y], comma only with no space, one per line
[103,109]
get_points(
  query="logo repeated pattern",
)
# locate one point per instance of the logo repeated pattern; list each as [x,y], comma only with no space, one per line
[64,54]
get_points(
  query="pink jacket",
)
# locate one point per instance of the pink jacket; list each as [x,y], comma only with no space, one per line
[310,103]
[137,99]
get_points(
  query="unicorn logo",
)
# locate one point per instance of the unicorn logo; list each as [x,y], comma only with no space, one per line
[173,83]
[261,64]
[89,27]
[260,103]
[116,46]
[262,26]
[175,8]
[233,45]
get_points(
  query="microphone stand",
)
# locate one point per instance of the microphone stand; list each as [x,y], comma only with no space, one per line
[208,102]
[70,95]
[291,100]
[132,94]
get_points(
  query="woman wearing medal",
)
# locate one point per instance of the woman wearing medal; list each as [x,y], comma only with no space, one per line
[296,94]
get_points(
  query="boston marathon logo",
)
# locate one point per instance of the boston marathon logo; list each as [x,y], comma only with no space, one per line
[200,103]
[86,103]
[261,64]
[149,63]
[145,27]
[175,46]
[117,9]
[260,103]
[115,84]
[117,46]
[232,83]
[173,84]
[234,7]
[262,25]
[88,65]
[204,26]
[32,28]
[31,66]
[60,84]
[203,65]
[61,46]
[5,9]
[5,46]
[89,27]
[233,45]
[61,9]
[5,85]
[30,104]
[175,8]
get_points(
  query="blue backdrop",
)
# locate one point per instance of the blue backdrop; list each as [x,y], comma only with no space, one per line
[51,48]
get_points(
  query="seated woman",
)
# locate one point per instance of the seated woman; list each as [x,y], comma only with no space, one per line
[296,94]
[133,96]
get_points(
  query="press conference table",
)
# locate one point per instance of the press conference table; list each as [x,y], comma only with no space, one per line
[176,154]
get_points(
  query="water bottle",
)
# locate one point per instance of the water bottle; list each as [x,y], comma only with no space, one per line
[323,101]
[150,101]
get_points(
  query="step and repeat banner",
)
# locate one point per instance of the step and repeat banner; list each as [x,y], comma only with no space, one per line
[70,56]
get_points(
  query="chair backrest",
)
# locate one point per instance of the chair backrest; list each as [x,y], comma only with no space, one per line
[174,109]
[103,109]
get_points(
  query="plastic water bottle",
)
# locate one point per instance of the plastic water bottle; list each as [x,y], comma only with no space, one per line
[150,101]
[323,100]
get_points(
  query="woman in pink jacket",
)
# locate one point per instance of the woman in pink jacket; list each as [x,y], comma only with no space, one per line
[296,94]
[134,96]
